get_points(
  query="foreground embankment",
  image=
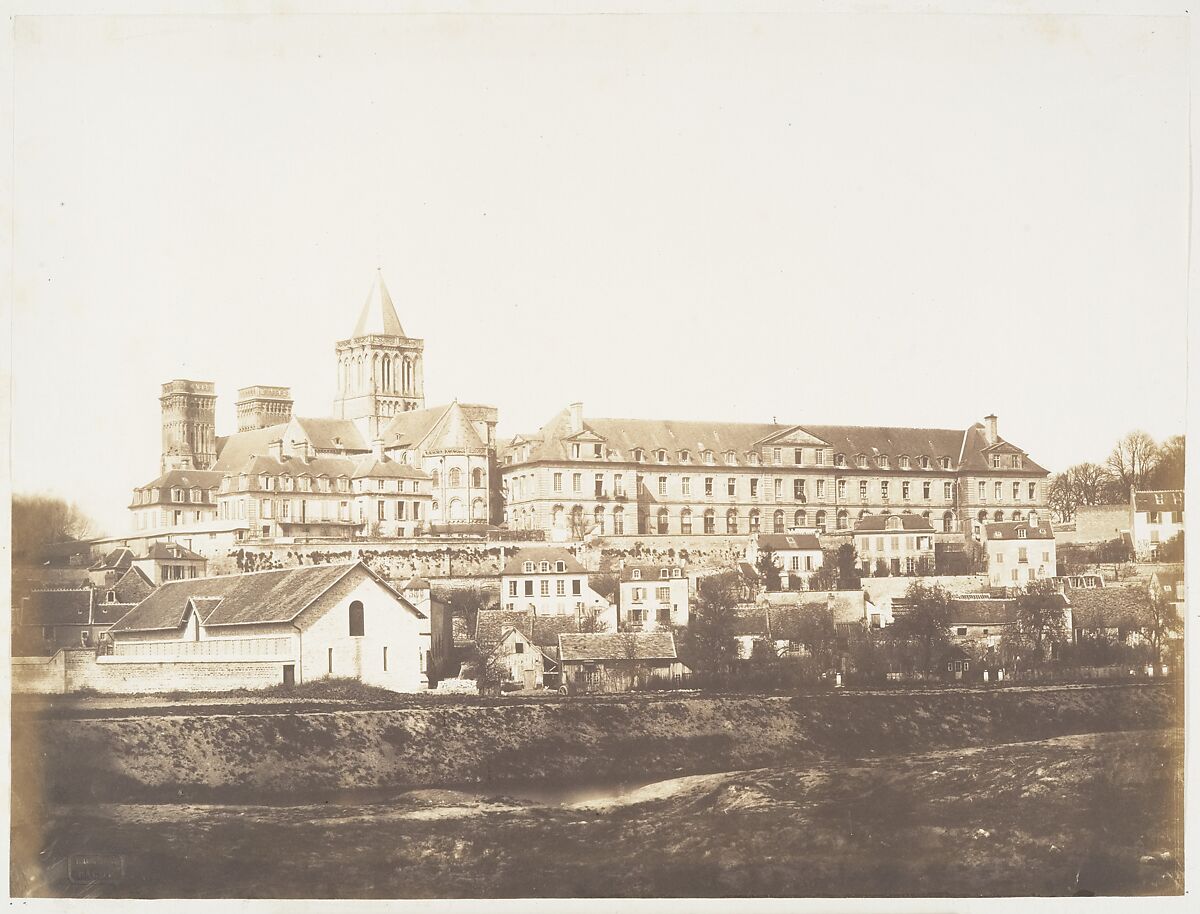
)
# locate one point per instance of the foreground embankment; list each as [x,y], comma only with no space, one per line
[258,754]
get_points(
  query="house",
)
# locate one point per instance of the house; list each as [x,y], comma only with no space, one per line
[751,624]
[1168,585]
[797,555]
[617,662]
[787,612]
[548,581]
[1117,614]
[525,644]
[1019,552]
[1154,518]
[280,626]
[622,476]
[982,620]
[47,619]
[895,544]
[886,595]
[164,562]
[652,597]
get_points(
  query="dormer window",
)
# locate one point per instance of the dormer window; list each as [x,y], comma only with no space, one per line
[730,457]
[839,460]
[177,494]
[1022,534]
[675,572]
[754,458]
[861,461]
[924,462]
[110,597]
[527,568]
[544,567]
[883,461]
[637,574]
[637,454]
[945,462]
[894,523]
[904,465]
[995,461]
[560,566]
[660,455]
[1158,499]
[665,573]
[575,450]
[685,457]
[709,457]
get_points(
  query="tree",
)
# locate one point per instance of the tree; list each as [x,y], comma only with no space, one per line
[710,636]
[813,626]
[466,602]
[1083,484]
[1041,617]
[881,569]
[1115,552]
[487,667]
[927,620]
[849,577]
[768,568]
[1132,461]
[1162,622]
[40,521]
[1168,472]
[1172,549]
[825,577]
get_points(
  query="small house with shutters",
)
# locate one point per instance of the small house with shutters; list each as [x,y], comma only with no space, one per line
[1154,518]
[652,597]
[285,626]
[550,581]
[894,544]
[1019,552]
[797,556]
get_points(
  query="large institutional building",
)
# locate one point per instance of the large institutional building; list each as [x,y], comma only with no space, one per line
[383,465]
[656,476]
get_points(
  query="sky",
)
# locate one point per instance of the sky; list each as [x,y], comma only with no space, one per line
[834,219]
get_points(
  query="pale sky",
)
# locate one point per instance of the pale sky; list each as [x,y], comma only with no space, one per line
[853,219]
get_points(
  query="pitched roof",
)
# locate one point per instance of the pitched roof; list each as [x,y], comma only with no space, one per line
[538,554]
[788,610]
[186,479]
[237,449]
[378,315]
[453,432]
[278,595]
[618,646]
[371,468]
[326,434]
[1010,530]
[1110,607]
[651,573]
[117,560]
[982,612]
[877,523]
[490,625]
[784,542]
[752,621]
[171,551]
[132,587]
[890,441]
[409,428]
[1172,500]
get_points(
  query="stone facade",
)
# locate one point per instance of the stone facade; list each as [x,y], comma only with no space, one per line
[189,439]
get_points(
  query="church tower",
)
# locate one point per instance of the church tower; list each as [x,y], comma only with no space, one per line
[379,368]
[189,439]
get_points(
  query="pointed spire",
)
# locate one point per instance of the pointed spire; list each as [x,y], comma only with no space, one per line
[378,315]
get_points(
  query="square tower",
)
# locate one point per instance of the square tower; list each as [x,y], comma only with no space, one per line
[189,440]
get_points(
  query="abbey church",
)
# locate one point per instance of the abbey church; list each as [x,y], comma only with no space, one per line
[383,464]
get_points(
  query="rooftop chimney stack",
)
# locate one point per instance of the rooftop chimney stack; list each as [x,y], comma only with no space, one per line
[575,411]
[377,448]
[275,451]
[991,432]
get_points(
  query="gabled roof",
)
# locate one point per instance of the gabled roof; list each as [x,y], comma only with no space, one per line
[237,449]
[256,597]
[877,523]
[161,551]
[185,479]
[982,612]
[539,554]
[411,427]
[751,621]
[1110,607]
[618,646]
[1011,530]
[789,542]
[890,441]
[330,434]
[370,468]
[118,559]
[378,315]
[652,573]
[1172,500]
[132,587]
[976,453]
[490,625]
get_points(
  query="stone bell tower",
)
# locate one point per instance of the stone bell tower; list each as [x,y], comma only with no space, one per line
[380,371]
[189,440]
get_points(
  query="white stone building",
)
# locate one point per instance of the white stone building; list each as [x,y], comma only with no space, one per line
[1019,552]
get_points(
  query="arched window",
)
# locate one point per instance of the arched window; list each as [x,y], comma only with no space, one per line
[685,521]
[754,520]
[663,521]
[998,516]
[843,519]
[455,477]
[458,511]
[982,517]
[820,521]
[731,520]
[356,619]
[437,478]
[1016,515]
[801,519]
[477,478]
[618,524]
[777,522]
[710,521]
[948,522]
[598,518]
[477,510]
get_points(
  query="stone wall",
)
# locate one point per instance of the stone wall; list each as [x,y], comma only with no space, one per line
[73,671]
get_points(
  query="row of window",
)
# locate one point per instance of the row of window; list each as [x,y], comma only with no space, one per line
[560,587]
[322,484]
[998,488]
[662,594]
[454,478]
[799,456]
[1022,556]
[299,510]
[893,543]
[664,573]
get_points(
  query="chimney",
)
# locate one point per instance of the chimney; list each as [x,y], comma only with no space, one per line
[377,448]
[575,417]
[1033,518]
[275,451]
[990,431]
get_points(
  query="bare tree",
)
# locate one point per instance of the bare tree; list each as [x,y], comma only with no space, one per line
[40,521]
[1168,470]
[1041,616]
[591,619]
[1132,460]
[1162,622]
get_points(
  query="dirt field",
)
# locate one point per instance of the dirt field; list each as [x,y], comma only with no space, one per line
[1087,813]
